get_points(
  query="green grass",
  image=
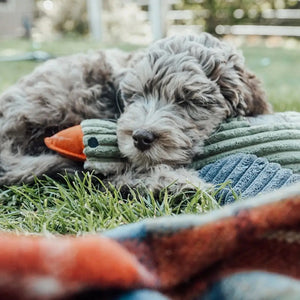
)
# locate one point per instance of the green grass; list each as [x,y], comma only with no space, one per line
[78,205]
[10,72]
[279,69]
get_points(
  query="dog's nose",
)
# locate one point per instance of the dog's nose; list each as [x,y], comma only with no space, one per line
[142,139]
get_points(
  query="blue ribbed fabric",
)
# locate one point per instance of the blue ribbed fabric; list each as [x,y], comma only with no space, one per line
[248,176]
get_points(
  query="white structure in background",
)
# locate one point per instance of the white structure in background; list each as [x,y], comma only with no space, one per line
[158,10]
[94,9]
[157,15]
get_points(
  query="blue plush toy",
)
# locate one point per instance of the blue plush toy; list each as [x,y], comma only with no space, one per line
[255,154]
[248,176]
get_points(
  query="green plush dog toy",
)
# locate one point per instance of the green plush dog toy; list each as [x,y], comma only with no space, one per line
[275,137]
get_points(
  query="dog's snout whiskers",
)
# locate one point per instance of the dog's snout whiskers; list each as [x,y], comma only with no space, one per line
[143,139]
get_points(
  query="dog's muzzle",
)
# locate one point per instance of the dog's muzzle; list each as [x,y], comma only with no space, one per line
[143,139]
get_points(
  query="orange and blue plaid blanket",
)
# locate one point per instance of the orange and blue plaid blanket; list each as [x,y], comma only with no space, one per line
[245,250]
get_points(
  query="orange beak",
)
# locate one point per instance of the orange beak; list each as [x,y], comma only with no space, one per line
[68,142]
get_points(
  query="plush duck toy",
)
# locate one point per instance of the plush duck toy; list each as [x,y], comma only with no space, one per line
[94,141]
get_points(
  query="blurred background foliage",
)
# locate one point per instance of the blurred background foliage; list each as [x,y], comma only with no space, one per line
[64,16]
[121,20]
[211,13]
[70,16]
[61,27]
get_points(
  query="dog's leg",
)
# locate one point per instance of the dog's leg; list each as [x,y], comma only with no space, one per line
[18,169]
[161,177]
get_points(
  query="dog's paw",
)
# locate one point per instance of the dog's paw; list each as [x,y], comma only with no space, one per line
[161,177]
[188,185]
[175,180]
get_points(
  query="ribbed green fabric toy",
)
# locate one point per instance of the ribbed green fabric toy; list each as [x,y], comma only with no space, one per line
[275,137]
[101,146]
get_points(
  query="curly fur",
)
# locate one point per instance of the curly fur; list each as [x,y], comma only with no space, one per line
[179,89]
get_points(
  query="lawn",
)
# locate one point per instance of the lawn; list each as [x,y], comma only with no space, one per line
[279,69]
[77,205]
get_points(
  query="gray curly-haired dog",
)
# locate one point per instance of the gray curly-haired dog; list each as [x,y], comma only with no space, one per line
[175,93]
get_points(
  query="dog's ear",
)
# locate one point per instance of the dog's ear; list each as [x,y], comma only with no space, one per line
[257,102]
[224,65]
[240,88]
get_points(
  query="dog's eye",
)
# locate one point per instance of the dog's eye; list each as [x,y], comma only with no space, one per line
[184,97]
[180,97]
[129,98]
[182,102]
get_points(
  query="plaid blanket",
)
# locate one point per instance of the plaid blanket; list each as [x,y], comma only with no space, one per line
[246,250]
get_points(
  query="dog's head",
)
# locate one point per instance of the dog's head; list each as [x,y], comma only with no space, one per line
[177,94]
